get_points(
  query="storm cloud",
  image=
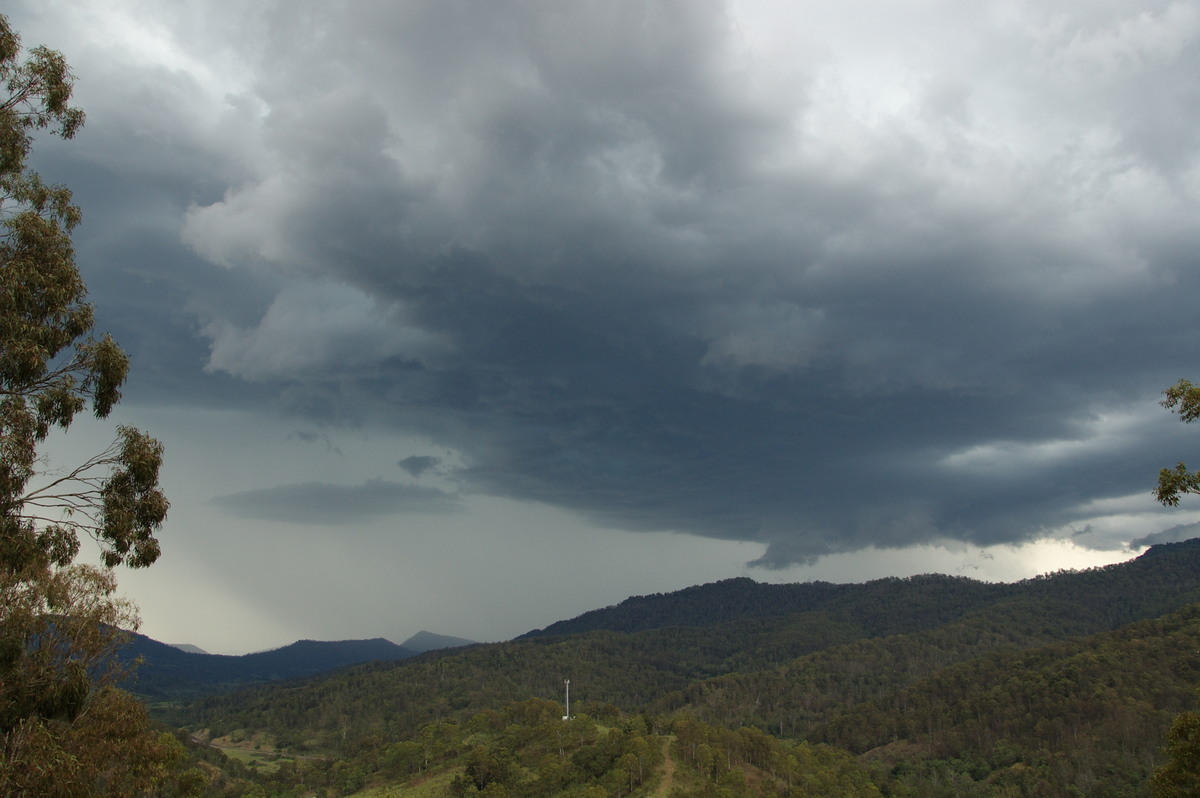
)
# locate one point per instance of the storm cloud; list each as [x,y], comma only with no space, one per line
[822,279]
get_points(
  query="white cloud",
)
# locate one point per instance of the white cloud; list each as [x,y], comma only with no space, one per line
[998,563]
[319,329]
[1096,435]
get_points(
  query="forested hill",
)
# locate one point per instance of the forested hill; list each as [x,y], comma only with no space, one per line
[898,605]
[925,599]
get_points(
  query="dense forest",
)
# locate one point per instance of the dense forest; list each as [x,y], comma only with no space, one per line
[928,686]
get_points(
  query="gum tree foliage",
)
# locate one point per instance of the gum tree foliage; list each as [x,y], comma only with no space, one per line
[1182,398]
[59,621]
[1180,776]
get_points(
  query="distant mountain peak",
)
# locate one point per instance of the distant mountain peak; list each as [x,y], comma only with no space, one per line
[428,641]
[188,647]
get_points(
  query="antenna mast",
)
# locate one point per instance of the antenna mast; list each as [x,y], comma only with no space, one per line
[568,715]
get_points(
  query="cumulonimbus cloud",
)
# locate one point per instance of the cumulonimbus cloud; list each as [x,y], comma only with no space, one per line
[700,267]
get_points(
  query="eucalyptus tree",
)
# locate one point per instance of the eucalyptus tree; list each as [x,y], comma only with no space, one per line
[1182,398]
[1180,775]
[59,620]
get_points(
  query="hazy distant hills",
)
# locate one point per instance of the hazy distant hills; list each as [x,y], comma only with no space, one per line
[428,641]
[171,671]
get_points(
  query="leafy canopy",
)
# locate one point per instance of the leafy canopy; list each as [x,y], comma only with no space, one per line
[1182,398]
[1180,776]
[51,366]
[59,621]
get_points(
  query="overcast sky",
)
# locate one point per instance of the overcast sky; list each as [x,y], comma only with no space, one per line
[472,316]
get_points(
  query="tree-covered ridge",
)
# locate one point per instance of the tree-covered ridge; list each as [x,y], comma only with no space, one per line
[929,599]
[1130,589]
[790,698]
[1087,714]
[1052,608]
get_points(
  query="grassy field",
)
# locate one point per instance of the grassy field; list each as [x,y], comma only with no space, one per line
[256,751]
[436,786]
[264,761]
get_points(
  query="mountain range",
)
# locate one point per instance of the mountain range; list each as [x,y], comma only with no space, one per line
[167,671]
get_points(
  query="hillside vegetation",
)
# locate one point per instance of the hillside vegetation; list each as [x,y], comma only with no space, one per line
[927,686]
